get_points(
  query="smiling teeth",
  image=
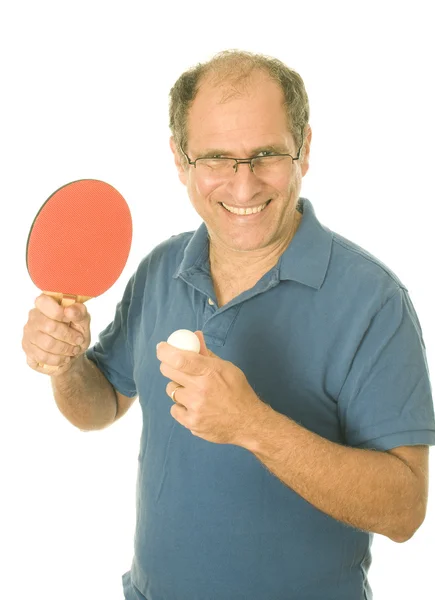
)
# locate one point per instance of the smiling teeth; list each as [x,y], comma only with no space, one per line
[245,211]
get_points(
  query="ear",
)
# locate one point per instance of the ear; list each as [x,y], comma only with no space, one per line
[305,162]
[180,168]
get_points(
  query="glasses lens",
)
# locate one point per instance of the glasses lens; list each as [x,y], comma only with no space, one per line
[270,164]
[215,168]
[224,168]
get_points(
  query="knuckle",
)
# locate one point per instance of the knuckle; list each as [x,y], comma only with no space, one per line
[194,406]
[179,363]
[203,383]
[192,422]
[48,306]
[50,326]
[79,310]
[48,343]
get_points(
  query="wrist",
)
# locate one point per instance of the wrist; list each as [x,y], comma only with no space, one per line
[76,362]
[255,425]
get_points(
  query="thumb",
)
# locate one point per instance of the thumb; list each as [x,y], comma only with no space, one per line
[203,349]
[76,312]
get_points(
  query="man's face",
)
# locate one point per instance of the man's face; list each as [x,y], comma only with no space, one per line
[241,127]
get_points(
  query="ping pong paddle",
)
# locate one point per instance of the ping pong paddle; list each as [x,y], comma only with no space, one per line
[79,242]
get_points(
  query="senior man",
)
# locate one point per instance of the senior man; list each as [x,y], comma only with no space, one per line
[268,460]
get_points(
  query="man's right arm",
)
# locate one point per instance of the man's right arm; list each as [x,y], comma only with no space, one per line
[86,398]
[55,339]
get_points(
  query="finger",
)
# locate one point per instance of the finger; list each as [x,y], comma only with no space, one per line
[47,369]
[77,313]
[186,361]
[54,345]
[203,348]
[170,388]
[50,308]
[46,358]
[178,376]
[55,329]
[179,412]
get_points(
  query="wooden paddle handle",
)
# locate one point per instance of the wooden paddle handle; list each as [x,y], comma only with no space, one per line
[64,300]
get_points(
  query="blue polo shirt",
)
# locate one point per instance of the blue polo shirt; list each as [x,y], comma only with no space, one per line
[328,337]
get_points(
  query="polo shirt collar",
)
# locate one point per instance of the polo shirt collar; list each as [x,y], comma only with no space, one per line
[305,260]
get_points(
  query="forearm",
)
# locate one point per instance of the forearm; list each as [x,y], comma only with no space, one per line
[367,489]
[84,396]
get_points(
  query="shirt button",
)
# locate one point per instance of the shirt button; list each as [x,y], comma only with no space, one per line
[210,301]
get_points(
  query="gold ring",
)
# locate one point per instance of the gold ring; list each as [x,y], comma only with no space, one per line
[173,392]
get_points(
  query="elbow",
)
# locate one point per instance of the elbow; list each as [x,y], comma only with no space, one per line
[401,539]
[92,427]
[402,536]
[86,426]
[408,530]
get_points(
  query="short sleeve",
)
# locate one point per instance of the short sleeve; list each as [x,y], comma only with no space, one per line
[386,400]
[112,353]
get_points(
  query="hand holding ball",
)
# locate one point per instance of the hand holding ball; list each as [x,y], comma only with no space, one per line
[184,340]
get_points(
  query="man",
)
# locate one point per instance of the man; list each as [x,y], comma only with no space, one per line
[268,461]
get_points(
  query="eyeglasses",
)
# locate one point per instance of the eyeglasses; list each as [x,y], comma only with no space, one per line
[223,168]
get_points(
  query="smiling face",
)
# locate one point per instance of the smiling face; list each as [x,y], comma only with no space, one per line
[242,127]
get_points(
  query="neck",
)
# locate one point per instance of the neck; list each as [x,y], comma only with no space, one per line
[246,265]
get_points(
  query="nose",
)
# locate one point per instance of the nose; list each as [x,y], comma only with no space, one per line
[244,184]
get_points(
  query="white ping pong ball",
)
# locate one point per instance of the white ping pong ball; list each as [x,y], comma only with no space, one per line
[184,340]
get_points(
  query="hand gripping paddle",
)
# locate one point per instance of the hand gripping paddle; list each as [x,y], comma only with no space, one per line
[79,242]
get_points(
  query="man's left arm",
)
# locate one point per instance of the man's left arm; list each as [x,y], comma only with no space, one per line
[381,492]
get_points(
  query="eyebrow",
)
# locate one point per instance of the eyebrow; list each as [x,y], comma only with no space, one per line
[278,148]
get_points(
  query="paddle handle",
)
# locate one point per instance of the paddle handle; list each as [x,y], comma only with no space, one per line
[64,300]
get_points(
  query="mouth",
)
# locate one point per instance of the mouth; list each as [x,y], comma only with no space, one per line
[248,213]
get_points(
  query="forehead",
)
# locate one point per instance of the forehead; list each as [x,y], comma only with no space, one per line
[238,118]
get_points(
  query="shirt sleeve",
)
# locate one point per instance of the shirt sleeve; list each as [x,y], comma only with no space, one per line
[112,353]
[386,400]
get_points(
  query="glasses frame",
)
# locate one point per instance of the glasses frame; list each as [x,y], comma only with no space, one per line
[241,161]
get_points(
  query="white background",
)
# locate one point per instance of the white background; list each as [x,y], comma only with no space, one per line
[84,93]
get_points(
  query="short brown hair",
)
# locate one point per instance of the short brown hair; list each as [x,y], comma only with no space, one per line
[234,67]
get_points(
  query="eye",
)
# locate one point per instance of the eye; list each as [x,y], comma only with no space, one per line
[266,153]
